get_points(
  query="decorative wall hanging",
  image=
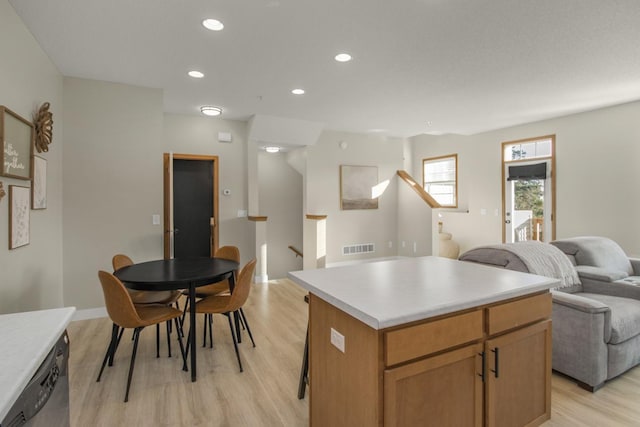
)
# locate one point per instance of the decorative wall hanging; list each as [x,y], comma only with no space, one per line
[357,185]
[39,184]
[2,193]
[43,122]
[18,216]
[16,135]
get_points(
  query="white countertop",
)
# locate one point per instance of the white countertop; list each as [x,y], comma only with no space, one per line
[26,339]
[390,293]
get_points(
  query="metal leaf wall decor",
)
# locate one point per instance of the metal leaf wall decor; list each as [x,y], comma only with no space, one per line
[44,128]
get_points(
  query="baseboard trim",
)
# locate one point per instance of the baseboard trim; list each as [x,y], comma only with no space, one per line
[90,313]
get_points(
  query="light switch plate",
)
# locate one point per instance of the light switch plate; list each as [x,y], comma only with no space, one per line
[155,219]
[337,339]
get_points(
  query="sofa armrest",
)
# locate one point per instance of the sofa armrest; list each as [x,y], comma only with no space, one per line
[635,263]
[597,273]
[581,331]
[578,302]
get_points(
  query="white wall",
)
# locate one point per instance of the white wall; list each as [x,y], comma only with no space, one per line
[31,276]
[345,227]
[597,156]
[280,194]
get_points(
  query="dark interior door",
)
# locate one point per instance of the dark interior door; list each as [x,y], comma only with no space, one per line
[192,207]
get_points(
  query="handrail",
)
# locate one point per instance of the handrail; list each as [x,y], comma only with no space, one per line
[418,189]
[296,251]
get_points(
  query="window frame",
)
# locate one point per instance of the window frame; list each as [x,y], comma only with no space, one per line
[453,156]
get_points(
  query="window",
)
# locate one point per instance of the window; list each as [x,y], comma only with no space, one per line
[440,178]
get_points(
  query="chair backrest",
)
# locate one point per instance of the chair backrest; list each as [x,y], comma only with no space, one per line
[118,261]
[228,252]
[118,301]
[242,287]
[595,251]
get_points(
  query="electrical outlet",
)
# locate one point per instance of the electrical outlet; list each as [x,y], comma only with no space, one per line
[337,339]
[415,247]
[390,244]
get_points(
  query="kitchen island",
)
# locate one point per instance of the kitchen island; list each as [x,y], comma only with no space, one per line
[428,340]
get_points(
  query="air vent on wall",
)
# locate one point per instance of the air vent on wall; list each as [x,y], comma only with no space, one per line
[364,248]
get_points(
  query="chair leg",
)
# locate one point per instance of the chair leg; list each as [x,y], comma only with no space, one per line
[236,319]
[243,318]
[304,371]
[210,316]
[235,342]
[184,311]
[186,351]
[169,337]
[110,349]
[136,335]
[157,340]
[204,330]
[180,334]
[113,352]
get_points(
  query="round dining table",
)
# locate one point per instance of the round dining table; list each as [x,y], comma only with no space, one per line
[179,273]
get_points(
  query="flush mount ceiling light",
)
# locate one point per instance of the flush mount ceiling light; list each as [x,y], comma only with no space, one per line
[343,57]
[211,111]
[213,24]
[196,74]
[298,91]
[271,149]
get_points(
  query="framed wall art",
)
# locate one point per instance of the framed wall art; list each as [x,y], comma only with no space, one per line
[39,183]
[16,135]
[18,216]
[357,185]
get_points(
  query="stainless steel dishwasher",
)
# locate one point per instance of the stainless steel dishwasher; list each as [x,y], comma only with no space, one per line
[45,399]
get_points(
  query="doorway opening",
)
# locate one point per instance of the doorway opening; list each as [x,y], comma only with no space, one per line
[190,205]
[528,190]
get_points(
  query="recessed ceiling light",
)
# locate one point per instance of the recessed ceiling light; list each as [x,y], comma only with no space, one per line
[343,57]
[213,24]
[272,149]
[298,91]
[196,74]
[211,111]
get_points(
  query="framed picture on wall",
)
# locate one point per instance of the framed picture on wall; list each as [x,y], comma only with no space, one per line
[357,187]
[16,135]
[18,216]
[39,183]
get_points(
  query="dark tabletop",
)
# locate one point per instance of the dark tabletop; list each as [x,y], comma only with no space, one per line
[175,273]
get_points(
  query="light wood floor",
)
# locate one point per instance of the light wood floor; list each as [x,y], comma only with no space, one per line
[265,394]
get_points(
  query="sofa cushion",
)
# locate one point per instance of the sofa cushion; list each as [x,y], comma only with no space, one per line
[596,251]
[625,316]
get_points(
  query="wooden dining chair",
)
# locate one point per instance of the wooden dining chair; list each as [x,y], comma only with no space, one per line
[124,314]
[149,297]
[226,304]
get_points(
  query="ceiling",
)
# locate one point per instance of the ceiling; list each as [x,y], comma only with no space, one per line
[419,66]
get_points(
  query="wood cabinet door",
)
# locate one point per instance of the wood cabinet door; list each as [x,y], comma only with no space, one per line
[443,390]
[518,377]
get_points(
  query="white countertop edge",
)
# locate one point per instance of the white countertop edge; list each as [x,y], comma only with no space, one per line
[433,311]
[29,363]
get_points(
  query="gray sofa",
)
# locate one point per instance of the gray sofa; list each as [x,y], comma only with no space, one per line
[596,324]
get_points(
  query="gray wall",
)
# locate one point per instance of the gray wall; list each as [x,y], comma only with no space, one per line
[597,156]
[31,276]
[113,178]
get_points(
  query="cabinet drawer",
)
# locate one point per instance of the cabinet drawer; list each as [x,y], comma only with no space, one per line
[426,338]
[521,312]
